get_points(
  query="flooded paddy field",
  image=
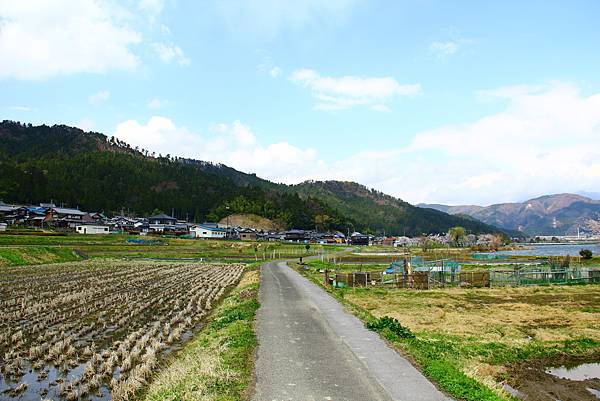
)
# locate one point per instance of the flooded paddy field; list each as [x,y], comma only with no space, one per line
[561,377]
[97,330]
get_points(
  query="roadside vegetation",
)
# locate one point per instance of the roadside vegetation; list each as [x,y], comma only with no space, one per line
[472,342]
[217,364]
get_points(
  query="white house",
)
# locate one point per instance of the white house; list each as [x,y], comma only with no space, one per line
[91,229]
[3,226]
[201,231]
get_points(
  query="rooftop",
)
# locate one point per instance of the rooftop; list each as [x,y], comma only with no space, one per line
[162,216]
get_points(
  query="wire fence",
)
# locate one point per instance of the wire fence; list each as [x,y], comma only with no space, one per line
[477,279]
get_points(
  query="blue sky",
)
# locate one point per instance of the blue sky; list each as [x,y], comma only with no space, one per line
[431,101]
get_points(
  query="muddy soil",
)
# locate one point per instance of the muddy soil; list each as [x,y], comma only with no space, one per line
[534,384]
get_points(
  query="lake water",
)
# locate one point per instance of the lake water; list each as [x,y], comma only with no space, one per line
[553,250]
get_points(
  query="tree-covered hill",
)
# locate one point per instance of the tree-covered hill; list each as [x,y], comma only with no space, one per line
[377,211]
[94,172]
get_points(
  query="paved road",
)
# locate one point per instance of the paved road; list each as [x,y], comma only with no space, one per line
[311,349]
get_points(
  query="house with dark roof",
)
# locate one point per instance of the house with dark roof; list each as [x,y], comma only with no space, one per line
[162,222]
[8,213]
[162,218]
[297,236]
[64,216]
[359,239]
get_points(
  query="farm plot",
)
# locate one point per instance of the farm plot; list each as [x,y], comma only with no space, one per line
[484,344]
[97,330]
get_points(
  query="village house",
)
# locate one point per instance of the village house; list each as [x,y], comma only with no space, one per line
[388,241]
[162,222]
[273,236]
[92,229]
[247,234]
[33,216]
[208,232]
[326,238]
[296,236]
[62,216]
[8,213]
[359,239]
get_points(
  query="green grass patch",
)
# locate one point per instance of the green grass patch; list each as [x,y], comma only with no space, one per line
[590,309]
[27,255]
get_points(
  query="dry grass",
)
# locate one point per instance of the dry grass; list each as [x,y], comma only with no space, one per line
[509,315]
[216,364]
[206,367]
[249,278]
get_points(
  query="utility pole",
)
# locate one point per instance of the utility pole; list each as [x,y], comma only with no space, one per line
[228,232]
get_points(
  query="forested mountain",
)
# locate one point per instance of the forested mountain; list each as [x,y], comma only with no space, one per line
[561,214]
[375,209]
[94,172]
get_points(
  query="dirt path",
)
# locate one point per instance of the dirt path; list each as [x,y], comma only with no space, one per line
[311,349]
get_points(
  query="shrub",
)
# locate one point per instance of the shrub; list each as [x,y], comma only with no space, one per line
[390,328]
[586,254]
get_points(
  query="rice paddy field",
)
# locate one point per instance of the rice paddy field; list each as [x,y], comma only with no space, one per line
[99,329]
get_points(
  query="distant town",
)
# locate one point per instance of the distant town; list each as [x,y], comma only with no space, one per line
[49,216]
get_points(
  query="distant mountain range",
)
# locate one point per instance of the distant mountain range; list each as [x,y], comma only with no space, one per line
[98,173]
[561,214]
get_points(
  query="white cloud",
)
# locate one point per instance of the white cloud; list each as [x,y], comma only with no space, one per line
[232,144]
[41,38]
[266,64]
[344,92]
[21,108]
[381,107]
[444,49]
[509,92]
[545,140]
[275,72]
[169,52]
[99,97]
[152,7]
[85,124]
[165,30]
[269,17]
[157,103]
